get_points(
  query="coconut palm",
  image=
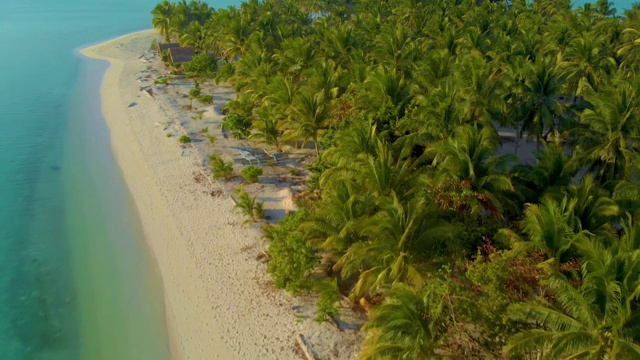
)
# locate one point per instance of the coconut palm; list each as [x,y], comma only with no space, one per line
[294,56]
[470,155]
[381,174]
[255,69]
[393,48]
[481,90]
[588,63]
[162,17]
[357,141]
[553,171]
[598,319]
[235,37]
[385,89]
[593,208]
[551,227]
[396,241]
[629,51]
[627,195]
[608,137]
[335,222]
[408,325]
[308,116]
[265,126]
[535,100]
[195,36]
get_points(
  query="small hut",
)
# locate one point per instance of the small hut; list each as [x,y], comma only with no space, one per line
[181,55]
[162,47]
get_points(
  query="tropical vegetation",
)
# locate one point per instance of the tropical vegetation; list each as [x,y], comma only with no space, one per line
[464,251]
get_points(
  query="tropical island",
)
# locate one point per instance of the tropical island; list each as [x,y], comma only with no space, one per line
[463,176]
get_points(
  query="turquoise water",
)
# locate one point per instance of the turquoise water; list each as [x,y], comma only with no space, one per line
[620,5]
[76,281]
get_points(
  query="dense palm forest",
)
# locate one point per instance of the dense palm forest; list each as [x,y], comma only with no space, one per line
[458,251]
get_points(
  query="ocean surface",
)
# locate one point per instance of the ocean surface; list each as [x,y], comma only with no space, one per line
[76,280]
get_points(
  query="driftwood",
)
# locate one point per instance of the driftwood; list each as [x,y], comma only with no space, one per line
[305,348]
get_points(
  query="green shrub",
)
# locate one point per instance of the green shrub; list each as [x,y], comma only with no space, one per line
[164,55]
[205,130]
[329,295]
[184,139]
[194,93]
[220,168]
[163,81]
[169,134]
[206,99]
[254,210]
[201,65]
[238,125]
[291,256]
[212,139]
[251,173]
[258,210]
[293,172]
[154,44]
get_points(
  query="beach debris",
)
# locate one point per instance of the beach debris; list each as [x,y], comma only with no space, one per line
[143,78]
[306,349]
[333,322]
[147,90]
[262,257]
[133,104]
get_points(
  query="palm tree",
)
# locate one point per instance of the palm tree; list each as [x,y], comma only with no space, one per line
[553,171]
[481,90]
[381,174]
[335,222]
[593,207]
[294,56]
[598,319]
[551,227]
[609,132]
[162,17]
[535,100]
[396,241]
[265,126]
[470,155]
[308,116]
[629,51]
[393,48]
[587,65]
[195,36]
[255,69]
[627,195]
[360,139]
[235,37]
[385,89]
[408,325]
[181,18]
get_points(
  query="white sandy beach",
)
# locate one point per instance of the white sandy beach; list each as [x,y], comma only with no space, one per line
[219,301]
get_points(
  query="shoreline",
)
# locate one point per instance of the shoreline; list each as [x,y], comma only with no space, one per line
[219,300]
[113,71]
